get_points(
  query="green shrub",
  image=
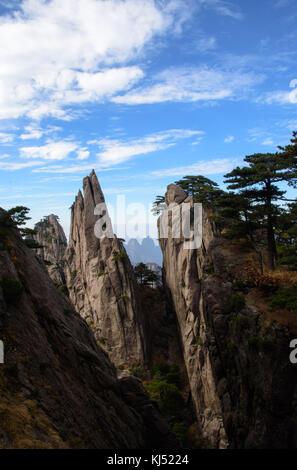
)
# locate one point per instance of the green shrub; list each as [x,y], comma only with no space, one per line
[241,322]
[285,298]
[63,289]
[237,302]
[165,389]
[209,268]
[180,430]
[47,263]
[101,340]
[122,297]
[118,256]
[12,290]
[101,273]
[255,342]
[168,372]
[138,371]
[231,347]
[238,285]
[32,243]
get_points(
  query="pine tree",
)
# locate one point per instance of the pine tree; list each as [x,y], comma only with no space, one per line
[200,188]
[158,205]
[258,184]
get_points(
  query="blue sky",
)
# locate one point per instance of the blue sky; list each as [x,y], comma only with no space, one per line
[143,91]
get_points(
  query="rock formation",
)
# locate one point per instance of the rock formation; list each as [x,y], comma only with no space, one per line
[237,359]
[101,282]
[58,387]
[51,237]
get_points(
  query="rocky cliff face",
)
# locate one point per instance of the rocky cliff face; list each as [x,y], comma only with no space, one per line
[58,387]
[50,235]
[237,358]
[101,282]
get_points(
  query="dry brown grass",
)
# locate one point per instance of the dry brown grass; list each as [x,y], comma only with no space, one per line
[283,317]
[284,278]
[23,423]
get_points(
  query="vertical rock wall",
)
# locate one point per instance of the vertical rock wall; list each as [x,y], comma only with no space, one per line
[51,237]
[182,270]
[101,282]
[236,353]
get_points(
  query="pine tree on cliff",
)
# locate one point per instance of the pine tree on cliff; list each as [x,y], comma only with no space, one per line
[287,237]
[258,183]
[289,152]
[200,188]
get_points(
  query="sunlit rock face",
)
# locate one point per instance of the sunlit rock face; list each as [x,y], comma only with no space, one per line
[51,237]
[242,383]
[101,282]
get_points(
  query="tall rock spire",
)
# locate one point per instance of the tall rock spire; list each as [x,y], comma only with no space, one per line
[52,240]
[101,281]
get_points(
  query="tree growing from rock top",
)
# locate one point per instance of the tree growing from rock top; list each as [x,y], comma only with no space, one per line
[200,188]
[258,183]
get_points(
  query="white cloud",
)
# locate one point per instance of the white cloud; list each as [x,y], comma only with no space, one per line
[293,83]
[62,52]
[6,138]
[210,167]
[50,151]
[192,84]
[83,154]
[31,132]
[281,96]
[268,141]
[18,165]
[291,124]
[112,152]
[206,44]
[116,151]
[35,132]
[71,169]
[281,3]
[229,139]
[222,7]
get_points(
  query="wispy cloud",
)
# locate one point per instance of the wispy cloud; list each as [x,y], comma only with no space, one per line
[281,96]
[205,44]
[210,167]
[50,151]
[72,169]
[269,142]
[192,84]
[224,8]
[31,132]
[11,166]
[35,132]
[229,139]
[281,3]
[6,138]
[115,151]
